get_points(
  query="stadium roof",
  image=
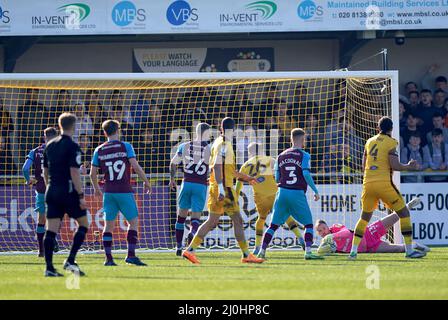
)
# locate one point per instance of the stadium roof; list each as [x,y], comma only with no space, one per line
[350,41]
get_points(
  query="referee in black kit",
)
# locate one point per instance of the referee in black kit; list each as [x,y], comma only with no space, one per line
[62,160]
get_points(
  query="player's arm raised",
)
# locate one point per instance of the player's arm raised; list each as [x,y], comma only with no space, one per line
[177,159]
[26,171]
[396,165]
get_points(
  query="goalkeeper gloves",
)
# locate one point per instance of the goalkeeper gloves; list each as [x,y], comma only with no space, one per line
[327,246]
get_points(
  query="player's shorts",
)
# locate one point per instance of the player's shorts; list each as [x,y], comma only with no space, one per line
[119,202]
[292,203]
[385,191]
[372,236]
[229,205]
[40,203]
[60,203]
[264,205]
[192,196]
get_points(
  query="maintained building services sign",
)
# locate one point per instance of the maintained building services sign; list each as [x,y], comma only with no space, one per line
[65,17]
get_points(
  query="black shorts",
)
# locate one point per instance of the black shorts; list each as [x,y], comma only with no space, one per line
[60,203]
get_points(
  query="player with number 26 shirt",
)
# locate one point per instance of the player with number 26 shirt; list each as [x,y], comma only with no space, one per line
[115,158]
[195,156]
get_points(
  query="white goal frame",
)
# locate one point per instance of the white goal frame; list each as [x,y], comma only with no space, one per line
[173,77]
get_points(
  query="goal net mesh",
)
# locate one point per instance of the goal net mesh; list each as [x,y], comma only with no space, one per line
[156,115]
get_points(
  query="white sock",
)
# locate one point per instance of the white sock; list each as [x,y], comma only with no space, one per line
[409,248]
[308,249]
[354,249]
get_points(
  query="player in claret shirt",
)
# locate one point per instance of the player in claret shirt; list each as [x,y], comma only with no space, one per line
[35,159]
[116,158]
[222,194]
[292,173]
[261,167]
[195,156]
[338,238]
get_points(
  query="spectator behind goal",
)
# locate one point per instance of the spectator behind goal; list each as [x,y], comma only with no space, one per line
[414,151]
[433,83]
[438,155]
[402,113]
[408,87]
[6,129]
[426,110]
[442,83]
[446,110]
[411,127]
[439,101]
[414,99]
[437,121]
[32,119]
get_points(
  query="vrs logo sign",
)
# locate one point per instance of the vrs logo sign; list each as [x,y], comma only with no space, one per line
[125,12]
[180,12]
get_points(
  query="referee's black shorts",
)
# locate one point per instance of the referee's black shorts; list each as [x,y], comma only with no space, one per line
[59,202]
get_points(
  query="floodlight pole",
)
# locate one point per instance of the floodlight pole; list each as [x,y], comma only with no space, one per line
[385,62]
[396,177]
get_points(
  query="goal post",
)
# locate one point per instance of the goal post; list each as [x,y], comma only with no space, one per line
[158,111]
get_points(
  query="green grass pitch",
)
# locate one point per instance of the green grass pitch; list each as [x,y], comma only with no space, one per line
[221,276]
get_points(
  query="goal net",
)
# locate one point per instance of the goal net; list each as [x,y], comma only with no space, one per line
[338,110]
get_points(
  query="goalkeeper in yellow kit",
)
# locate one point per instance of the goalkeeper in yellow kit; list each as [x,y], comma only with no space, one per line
[261,167]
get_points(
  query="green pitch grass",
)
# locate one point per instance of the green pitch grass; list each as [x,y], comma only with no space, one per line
[221,276]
